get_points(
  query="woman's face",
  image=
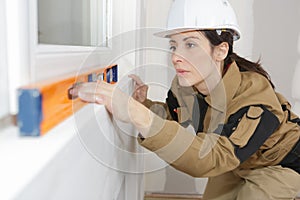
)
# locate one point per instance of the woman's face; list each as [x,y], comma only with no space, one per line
[193,59]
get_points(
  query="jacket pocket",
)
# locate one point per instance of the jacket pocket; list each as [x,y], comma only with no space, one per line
[247,126]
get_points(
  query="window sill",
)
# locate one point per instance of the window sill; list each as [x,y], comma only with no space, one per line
[23,158]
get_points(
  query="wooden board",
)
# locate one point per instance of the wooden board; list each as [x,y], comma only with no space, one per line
[45,104]
[165,196]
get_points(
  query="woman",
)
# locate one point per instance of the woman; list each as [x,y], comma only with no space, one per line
[246,139]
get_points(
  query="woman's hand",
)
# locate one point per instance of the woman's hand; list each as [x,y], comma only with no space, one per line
[140,89]
[122,106]
[115,101]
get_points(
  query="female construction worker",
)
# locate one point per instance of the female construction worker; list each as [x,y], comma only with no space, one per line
[245,138]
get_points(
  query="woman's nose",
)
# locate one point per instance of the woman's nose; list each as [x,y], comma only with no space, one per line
[176,58]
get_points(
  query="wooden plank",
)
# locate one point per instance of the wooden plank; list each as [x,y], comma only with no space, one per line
[45,104]
[166,196]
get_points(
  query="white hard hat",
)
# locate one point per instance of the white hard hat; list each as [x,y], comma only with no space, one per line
[188,15]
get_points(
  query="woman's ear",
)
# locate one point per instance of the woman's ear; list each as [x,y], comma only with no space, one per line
[221,51]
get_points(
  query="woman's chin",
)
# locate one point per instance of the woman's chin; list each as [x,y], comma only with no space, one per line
[184,82]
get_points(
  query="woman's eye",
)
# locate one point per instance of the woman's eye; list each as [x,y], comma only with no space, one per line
[190,45]
[172,48]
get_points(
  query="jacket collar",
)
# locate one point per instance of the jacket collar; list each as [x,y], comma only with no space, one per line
[225,89]
[218,97]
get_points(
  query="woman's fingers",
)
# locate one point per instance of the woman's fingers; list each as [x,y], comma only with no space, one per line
[95,92]
[105,88]
[140,89]
[136,79]
[115,101]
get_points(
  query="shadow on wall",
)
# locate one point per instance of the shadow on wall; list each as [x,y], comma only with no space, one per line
[275,40]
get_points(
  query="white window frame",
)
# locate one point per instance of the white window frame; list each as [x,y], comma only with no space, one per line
[17,51]
[96,35]
[49,49]
[47,61]
[3,65]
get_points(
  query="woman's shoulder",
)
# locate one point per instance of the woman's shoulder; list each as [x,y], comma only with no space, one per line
[254,81]
[255,89]
[251,75]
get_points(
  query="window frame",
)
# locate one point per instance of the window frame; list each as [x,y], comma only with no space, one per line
[55,49]
[48,61]
[3,63]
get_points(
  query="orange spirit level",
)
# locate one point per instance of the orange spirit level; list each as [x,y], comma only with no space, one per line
[44,105]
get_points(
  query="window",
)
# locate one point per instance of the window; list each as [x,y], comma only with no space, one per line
[72,22]
[63,33]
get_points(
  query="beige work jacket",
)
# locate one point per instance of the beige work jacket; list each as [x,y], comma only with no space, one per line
[210,154]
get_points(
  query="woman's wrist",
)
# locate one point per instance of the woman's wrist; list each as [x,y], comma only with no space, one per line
[140,116]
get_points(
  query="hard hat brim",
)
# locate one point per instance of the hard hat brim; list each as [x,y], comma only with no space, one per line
[168,33]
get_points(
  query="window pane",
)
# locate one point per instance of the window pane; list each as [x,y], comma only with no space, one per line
[72,22]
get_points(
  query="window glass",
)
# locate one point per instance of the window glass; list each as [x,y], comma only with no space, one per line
[72,22]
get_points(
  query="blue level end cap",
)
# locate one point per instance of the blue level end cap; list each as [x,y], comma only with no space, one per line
[30,112]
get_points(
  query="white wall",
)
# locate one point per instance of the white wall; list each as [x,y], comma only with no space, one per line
[276,33]
[296,83]
[244,12]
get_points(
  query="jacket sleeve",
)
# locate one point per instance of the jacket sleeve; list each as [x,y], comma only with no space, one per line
[249,128]
[159,108]
[166,110]
[204,155]
[212,154]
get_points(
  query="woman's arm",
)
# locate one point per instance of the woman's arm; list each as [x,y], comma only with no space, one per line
[199,156]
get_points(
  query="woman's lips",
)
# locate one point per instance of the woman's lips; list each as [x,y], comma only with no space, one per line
[181,71]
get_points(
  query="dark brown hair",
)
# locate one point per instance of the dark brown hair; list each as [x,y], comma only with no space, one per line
[243,64]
